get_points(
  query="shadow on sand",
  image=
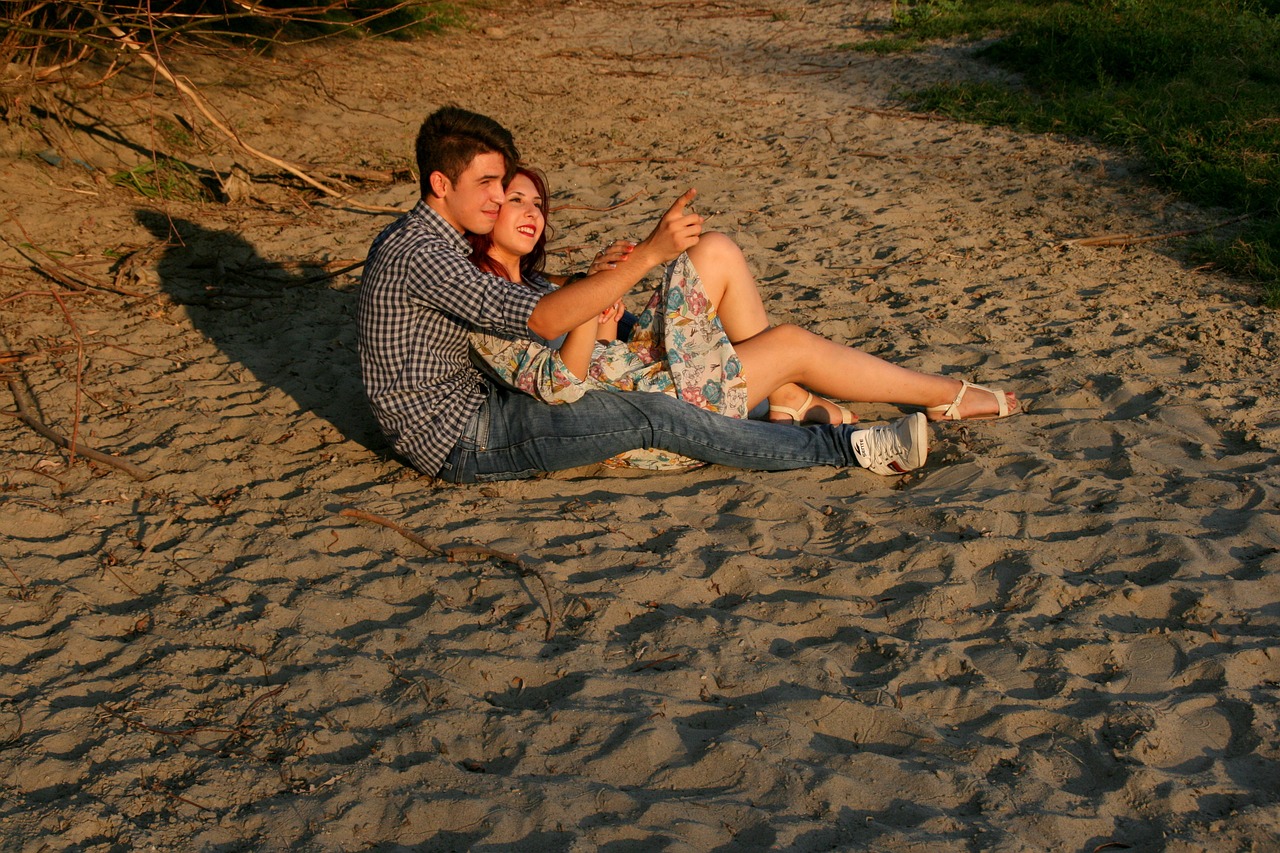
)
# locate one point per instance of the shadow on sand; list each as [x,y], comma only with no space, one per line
[293,329]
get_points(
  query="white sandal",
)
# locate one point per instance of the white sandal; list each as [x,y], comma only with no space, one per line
[797,414]
[951,412]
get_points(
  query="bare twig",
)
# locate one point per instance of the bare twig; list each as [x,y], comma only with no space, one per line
[155,730]
[391,525]
[1133,239]
[464,553]
[75,331]
[154,538]
[245,719]
[28,417]
[71,278]
[197,100]
[107,563]
[25,593]
[650,664]
[157,788]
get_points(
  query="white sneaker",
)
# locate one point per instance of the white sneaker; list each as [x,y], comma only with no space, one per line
[894,448]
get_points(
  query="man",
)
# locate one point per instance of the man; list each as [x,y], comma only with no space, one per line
[421,296]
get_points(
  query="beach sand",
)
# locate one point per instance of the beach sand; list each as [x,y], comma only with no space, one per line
[1063,633]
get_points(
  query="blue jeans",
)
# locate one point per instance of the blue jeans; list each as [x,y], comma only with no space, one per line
[515,436]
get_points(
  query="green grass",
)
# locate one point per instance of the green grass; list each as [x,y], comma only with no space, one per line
[1191,85]
[163,178]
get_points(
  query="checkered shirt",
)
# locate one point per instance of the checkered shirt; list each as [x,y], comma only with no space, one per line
[420,297]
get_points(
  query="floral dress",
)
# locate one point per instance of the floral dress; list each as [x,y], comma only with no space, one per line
[678,347]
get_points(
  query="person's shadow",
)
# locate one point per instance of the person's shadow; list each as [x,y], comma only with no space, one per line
[294,329]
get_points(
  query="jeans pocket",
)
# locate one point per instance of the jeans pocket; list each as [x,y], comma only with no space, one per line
[460,465]
[475,435]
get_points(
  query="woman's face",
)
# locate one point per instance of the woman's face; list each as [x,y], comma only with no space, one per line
[521,220]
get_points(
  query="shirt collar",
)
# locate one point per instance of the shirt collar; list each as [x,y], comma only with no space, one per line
[435,222]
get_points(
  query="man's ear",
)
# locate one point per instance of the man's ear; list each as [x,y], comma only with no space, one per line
[439,183]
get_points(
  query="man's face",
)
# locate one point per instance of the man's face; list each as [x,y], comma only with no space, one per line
[472,204]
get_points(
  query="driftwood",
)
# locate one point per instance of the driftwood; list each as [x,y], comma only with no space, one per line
[465,553]
[197,100]
[28,417]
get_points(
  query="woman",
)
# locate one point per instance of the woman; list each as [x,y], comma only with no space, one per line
[676,346]
[705,337]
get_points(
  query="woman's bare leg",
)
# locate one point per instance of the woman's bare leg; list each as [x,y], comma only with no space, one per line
[789,354]
[779,360]
[729,284]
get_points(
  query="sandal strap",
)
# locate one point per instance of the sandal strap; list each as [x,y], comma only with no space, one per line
[952,412]
[796,415]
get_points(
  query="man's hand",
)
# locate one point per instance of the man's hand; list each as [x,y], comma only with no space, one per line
[675,232]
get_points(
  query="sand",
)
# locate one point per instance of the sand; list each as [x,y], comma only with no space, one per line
[1063,633]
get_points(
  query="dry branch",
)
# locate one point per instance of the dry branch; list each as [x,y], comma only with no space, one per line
[25,593]
[1134,239]
[197,100]
[464,553]
[71,278]
[75,331]
[28,417]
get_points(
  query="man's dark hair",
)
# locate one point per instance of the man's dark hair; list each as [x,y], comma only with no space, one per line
[452,137]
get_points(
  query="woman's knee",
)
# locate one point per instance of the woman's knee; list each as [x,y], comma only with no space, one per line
[714,247]
[792,335]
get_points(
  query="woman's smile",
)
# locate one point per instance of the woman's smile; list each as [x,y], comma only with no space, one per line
[520,222]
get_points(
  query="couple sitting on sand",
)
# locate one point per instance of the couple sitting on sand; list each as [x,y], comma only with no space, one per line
[464,344]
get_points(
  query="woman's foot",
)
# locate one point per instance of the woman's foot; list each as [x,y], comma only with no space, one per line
[976,402]
[803,407]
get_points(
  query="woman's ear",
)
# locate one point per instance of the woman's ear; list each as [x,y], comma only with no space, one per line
[440,184]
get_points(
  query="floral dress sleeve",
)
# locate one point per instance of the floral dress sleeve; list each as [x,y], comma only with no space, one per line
[528,366]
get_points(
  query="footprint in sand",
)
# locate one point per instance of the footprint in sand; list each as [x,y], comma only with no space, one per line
[1149,667]
[1197,730]
[1003,665]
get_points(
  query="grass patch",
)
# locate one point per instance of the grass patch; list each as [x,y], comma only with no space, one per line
[1191,85]
[164,178]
